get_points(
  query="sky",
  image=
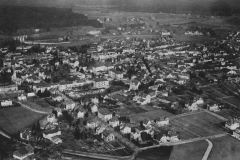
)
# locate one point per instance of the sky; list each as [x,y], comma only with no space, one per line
[122,3]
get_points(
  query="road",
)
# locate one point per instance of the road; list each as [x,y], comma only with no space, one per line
[209,149]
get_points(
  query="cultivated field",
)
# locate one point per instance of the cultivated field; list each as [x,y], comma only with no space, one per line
[14,119]
[151,115]
[201,124]
[189,151]
[225,148]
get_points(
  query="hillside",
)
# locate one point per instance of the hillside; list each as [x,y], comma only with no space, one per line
[13,18]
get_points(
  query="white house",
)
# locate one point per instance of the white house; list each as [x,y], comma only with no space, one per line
[6,103]
[114,122]
[162,122]
[51,135]
[81,113]
[126,129]
[94,108]
[214,108]
[22,98]
[232,125]
[93,123]
[51,118]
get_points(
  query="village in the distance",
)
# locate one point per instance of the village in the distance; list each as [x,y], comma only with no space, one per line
[131,90]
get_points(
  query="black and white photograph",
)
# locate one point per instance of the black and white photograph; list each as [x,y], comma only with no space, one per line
[119,79]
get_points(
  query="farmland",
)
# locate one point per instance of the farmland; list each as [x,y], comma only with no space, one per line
[151,115]
[201,124]
[226,148]
[14,119]
[190,151]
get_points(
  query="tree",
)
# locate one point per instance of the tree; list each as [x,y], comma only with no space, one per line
[77,133]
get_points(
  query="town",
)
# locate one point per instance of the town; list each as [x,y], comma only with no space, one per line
[120,95]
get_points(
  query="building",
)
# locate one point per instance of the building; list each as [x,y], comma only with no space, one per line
[162,122]
[101,83]
[94,108]
[8,88]
[52,135]
[23,152]
[81,112]
[114,122]
[108,136]
[6,103]
[104,114]
[93,122]
[116,74]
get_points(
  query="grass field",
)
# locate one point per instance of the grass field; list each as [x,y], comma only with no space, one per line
[225,148]
[190,151]
[151,115]
[197,125]
[14,119]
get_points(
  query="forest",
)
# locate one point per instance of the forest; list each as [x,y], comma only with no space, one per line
[13,18]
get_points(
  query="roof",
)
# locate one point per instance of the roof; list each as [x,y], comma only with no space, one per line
[104,111]
[100,79]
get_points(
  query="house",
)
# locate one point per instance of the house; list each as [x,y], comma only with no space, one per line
[70,105]
[52,135]
[8,88]
[31,94]
[23,152]
[51,118]
[116,74]
[100,129]
[93,122]
[22,98]
[95,100]
[126,129]
[233,124]
[59,112]
[101,83]
[81,112]
[236,133]
[26,134]
[104,114]
[134,84]
[108,136]
[114,122]
[214,108]
[173,136]
[162,122]
[94,108]
[6,103]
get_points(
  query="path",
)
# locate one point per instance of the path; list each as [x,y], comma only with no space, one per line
[209,149]
[31,109]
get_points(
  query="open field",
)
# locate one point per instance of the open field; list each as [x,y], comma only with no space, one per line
[161,153]
[14,119]
[151,115]
[197,125]
[225,148]
[189,151]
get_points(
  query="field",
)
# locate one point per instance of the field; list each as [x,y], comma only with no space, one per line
[39,104]
[225,148]
[190,151]
[14,119]
[201,124]
[161,153]
[151,115]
